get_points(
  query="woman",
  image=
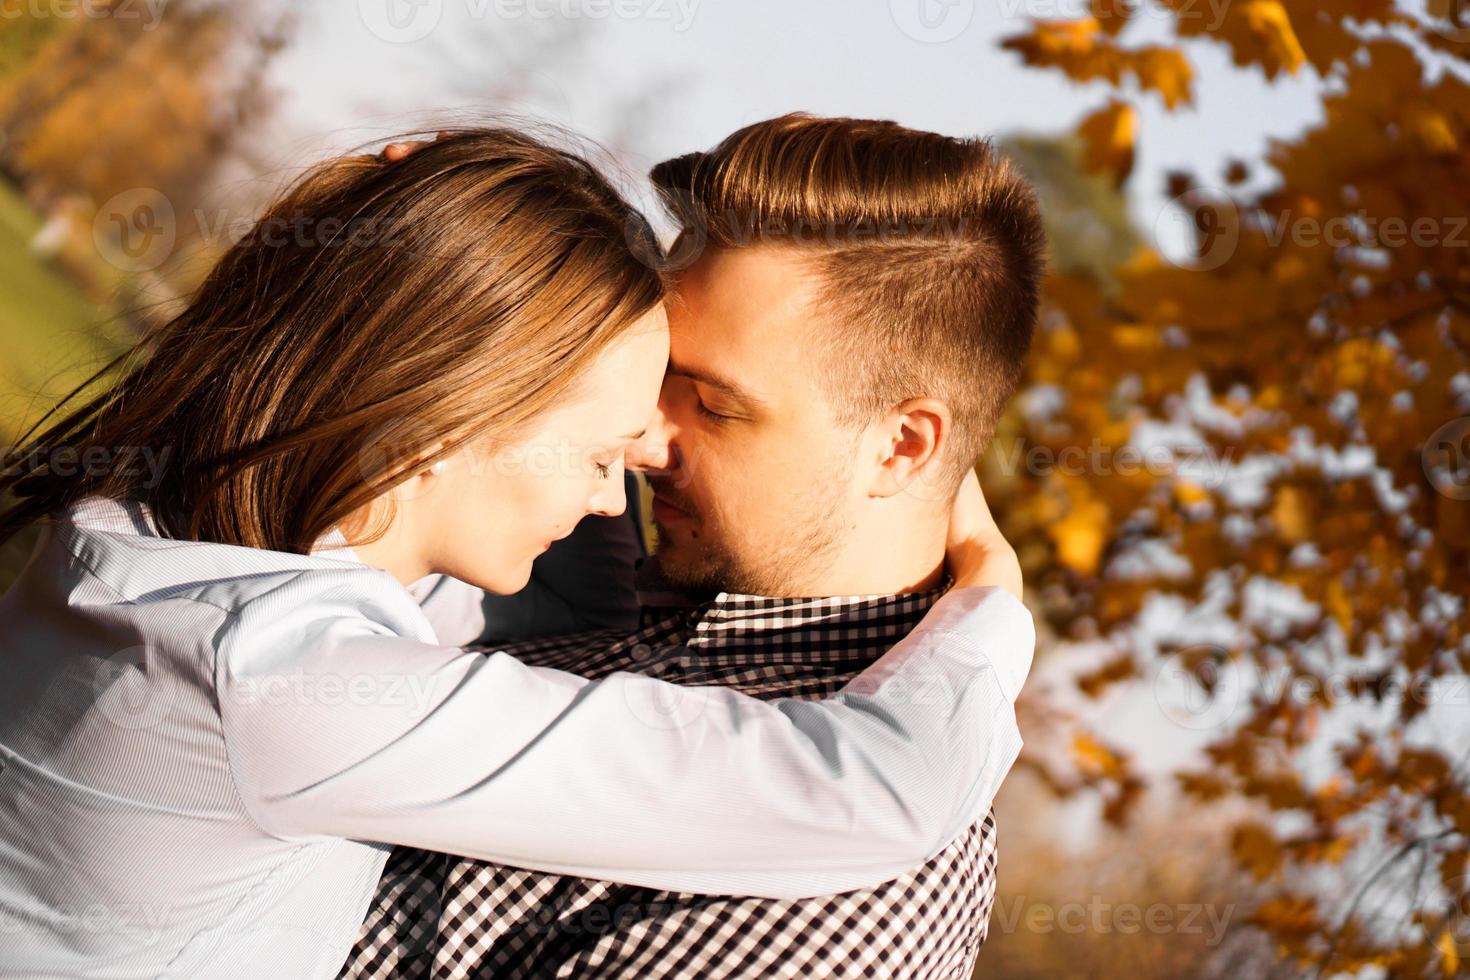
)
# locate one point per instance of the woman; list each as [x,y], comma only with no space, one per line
[218,686]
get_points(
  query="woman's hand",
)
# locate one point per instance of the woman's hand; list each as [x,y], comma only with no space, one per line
[976,552]
[394,152]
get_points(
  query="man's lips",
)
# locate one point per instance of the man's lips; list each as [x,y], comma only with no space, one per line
[665,512]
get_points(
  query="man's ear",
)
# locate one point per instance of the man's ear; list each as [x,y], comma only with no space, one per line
[908,448]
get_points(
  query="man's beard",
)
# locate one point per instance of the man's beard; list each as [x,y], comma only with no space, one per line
[709,559]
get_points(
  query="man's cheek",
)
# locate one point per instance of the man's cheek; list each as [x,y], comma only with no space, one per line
[697,462]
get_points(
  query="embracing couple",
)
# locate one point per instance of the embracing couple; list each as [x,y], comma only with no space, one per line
[331,695]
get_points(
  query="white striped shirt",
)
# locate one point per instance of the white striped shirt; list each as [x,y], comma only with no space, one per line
[197,738]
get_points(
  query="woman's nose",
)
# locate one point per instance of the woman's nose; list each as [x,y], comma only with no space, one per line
[611,500]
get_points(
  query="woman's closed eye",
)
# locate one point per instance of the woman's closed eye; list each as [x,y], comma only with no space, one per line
[604,468]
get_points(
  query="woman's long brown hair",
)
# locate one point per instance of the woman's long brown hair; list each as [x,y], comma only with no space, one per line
[374,312]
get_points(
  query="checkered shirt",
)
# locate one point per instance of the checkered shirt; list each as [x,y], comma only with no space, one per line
[443,917]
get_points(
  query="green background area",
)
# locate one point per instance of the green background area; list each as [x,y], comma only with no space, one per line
[52,338]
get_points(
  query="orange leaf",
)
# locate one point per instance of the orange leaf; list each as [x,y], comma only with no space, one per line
[1268,21]
[1258,32]
[1078,47]
[1109,135]
[1095,757]
[1111,15]
[1288,915]
[1257,850]
[1166,71]
[1449,956]
[1080,535]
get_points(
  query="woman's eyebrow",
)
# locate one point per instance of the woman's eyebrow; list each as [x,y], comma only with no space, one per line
[715,381]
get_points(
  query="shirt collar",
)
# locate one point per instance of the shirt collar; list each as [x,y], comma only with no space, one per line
[733,619]
[133,517]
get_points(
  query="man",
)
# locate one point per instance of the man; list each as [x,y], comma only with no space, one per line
[856,305]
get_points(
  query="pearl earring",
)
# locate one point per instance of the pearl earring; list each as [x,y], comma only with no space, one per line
[438,468]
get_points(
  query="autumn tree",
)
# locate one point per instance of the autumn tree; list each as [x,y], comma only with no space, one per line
[108,110]
[1300,394]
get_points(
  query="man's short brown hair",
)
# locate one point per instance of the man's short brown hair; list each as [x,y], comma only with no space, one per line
[928,248]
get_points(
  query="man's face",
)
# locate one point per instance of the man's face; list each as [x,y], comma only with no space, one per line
[761,479]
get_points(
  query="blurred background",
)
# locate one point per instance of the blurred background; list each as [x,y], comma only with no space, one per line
[1239,472]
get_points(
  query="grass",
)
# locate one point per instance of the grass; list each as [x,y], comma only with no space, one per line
[51,336]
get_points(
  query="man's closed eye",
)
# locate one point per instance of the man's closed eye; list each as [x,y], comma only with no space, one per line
[710,413]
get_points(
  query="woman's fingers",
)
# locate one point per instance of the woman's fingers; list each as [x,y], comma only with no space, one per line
[394,152]
[971,515]
[976,552]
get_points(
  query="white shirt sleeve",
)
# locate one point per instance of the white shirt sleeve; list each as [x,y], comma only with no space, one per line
[338,722]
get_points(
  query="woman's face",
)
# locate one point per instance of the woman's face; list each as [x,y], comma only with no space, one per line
[493,509]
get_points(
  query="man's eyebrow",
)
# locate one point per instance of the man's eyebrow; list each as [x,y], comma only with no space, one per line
[715,381]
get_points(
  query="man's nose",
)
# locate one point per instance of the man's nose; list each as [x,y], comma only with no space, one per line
[655,451]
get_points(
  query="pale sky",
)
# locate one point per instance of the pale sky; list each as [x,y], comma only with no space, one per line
[653,78]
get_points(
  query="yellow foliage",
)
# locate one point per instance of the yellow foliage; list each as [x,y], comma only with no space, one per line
[1271,28]
[1166,71]
[1190,494]
[1094,757]
[1432,128]
[1258,32]
[1257,850]
[1086,50]
[1326,322]
[1289,915]
[1291,513]
[1108,136]
[1080,535]
[1449,954]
